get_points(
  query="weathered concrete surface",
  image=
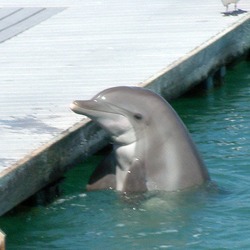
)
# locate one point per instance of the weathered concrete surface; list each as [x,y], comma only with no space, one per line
[199,63]
[48,163]
[14,21]
[190,64]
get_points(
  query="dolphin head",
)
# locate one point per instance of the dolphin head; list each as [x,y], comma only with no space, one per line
[119,110]
[153,149]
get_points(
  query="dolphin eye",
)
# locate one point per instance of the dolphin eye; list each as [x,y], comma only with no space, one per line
[138,116]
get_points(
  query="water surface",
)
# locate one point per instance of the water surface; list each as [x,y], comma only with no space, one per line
[204,218]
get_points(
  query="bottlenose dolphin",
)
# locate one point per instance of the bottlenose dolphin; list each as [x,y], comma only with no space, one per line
[152,149]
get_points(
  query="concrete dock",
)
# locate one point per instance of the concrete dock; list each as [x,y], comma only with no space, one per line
[64,50]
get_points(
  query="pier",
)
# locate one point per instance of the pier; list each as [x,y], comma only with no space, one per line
[59,51]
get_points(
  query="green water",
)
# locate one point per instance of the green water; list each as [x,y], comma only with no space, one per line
[206,218]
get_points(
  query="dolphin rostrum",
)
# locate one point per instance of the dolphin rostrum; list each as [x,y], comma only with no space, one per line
[152,149]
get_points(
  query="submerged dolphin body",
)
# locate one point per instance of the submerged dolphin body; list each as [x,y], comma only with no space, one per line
[152,147]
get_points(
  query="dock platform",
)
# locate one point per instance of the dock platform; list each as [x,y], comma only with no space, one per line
[56,51]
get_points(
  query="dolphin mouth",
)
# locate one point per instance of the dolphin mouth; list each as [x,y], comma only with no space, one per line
[90,107]
[109,117]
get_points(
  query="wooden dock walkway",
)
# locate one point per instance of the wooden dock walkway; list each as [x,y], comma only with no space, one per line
[72,49]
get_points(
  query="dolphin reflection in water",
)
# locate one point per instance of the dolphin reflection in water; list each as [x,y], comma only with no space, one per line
[152,149]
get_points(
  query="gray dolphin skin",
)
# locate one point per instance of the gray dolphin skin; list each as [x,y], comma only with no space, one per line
[152,149]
